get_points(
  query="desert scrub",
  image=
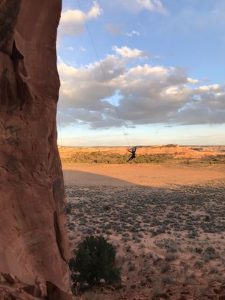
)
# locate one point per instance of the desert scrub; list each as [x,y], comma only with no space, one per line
[209,254]
[168,244]
[199,264]
[114,158]
[170,257]
[94,261]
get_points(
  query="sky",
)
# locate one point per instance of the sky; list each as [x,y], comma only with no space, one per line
[141,72]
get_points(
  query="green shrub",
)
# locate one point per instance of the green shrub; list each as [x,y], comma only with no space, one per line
[94,261]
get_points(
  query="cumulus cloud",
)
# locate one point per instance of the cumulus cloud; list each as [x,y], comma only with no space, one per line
[136,6]
[151,5]
[110,93]
[127,52]
[73,21]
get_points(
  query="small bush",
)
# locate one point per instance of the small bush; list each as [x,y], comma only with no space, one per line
[199,264]
[209,254]
[170,257]
[68,209]
[94,261]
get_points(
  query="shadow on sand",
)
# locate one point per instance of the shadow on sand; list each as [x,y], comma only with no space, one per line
[74,177]
[147,176]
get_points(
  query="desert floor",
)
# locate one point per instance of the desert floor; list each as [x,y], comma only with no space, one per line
[166,222]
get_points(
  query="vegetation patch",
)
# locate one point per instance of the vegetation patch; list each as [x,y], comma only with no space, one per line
[114,158]
[94,263]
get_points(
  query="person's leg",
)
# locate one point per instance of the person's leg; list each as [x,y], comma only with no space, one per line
[130,158]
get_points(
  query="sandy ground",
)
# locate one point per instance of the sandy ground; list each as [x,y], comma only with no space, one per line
[154,175]
[167,224]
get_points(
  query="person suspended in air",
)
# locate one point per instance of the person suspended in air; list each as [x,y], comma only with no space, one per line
[133,153]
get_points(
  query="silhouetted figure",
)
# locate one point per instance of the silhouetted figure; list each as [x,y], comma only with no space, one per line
[133,153]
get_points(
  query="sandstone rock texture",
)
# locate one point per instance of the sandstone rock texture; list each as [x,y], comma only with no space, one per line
[33,247]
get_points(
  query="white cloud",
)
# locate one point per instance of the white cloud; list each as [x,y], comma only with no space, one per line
[152,5]
[192,80]
[144,94]
[208,88]
[82,49]
[127,52]
[133,33]
[136,6]
[73,21]
[70,48]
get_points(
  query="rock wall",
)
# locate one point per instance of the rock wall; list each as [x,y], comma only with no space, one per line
[33,247]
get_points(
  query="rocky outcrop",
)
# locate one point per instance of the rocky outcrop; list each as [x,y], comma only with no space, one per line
[33,247]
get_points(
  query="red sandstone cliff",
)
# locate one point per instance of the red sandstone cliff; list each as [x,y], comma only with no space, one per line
[32,236]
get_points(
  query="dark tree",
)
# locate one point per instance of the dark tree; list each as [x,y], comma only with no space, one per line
[95,260]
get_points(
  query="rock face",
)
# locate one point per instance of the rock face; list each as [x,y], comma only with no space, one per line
[33,248]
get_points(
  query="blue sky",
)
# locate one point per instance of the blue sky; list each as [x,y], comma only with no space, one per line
[142,72]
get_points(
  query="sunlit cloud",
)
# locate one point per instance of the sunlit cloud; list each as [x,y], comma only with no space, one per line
[73,21]
[127,52]
[145,94]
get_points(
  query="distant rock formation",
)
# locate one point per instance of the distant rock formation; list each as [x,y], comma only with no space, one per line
[33,247]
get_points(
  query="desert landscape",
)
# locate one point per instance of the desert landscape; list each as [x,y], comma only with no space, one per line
[120,224]
[165,219]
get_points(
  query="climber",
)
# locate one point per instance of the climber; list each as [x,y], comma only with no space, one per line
[133,153]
